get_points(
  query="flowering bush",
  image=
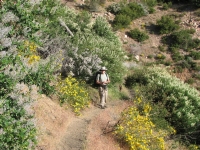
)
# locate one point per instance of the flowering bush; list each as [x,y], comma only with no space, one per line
[29,51]
[138,131]
[73,93]
[181,101]
[33,52]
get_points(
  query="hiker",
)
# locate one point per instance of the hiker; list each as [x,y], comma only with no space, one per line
[103,79]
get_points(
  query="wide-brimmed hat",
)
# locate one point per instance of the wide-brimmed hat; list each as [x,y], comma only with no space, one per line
[103,68]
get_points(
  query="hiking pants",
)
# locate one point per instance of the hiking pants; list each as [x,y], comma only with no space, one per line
[103,93]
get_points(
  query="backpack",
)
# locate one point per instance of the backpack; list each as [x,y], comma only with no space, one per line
[95,76]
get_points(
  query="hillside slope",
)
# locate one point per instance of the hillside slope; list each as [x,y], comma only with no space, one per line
[60,129]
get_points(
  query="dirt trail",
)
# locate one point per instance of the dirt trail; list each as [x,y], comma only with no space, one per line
[60,129]
[76,132]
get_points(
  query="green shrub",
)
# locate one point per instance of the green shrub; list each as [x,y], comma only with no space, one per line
[150,56]
[137,129]
[195,55]
[121,21]
[151,10]
[178,69]
[114,8]
[6,85]
[160,57]
[167,63]
[74,93]
[102,28]
[166,25]
[177,56]
[191,31]
[196,76]
[17,131]
[184,64]
[174,50]
[138,35]
[190,81]
[42,78]
[41,37]
[182,39]
[133,10]
[180,99]
[167,5]
[194,66]
[126,14]
[161,48]
[194,43]
[135,79]
[150,3]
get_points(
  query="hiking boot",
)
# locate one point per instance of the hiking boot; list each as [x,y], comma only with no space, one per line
[102,107]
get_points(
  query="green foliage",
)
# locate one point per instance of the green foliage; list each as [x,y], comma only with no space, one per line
[166,25]
[158,116]
[138,35]
[167,63]
[72,92]
[133,10]
[176,56]
[190,81]
[41,37]
[136,128]
[6,84]
[102,28]
[167,5]
[160,57]
[25,17]
[135,79]
[121,21]
[43,78]
[182,39]
[16,131]
[196,76]
[161,48]
[126,14]
[195,55]
[150,3]
[178,69]
[114,8]
[151,10]
[180,100]
[188,63]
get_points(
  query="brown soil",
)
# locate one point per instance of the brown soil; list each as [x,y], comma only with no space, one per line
[60,129]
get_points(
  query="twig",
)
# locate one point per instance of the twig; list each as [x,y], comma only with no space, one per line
[64,25]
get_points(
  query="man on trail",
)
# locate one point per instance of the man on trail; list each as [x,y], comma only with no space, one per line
[103,79]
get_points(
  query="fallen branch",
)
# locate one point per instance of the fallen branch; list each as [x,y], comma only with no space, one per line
[64,25]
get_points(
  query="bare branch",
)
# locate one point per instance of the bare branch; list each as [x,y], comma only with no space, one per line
[64,25]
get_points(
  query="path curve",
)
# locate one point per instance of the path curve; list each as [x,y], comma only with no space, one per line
[76,133]
[60,129]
